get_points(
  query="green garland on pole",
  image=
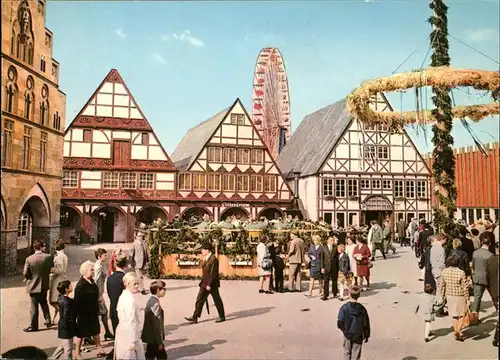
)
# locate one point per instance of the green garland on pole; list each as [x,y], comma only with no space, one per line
[443,167]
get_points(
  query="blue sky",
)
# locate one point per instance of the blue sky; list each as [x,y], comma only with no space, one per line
[184,62]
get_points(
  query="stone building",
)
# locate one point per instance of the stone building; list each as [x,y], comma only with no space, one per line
[32,125]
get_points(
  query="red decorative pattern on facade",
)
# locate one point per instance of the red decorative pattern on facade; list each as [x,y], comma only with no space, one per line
[94,163]
[111,123]
[117,194]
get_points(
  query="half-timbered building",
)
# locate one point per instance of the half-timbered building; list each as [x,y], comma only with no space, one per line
[115,170]
[225,169]
[350,174]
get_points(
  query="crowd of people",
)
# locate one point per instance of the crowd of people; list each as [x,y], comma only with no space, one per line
[453,274]
[449,274]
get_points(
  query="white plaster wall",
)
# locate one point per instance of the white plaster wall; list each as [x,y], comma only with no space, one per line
[139,152]
[80,150]
[165,176]
[121,100]
[66,149]
[308,188]
[120,89]
[152,139]
[245,132]
[91,175]
[245,141]
[90,184]
[99,136]
[107,87]
[135,114]
[101,151]
[122,135]
[156,153]
[104,99]
[121,112]
[228,131]
[77,135]
[342,151]
[104,111]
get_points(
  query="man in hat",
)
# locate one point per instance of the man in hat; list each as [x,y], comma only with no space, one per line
[209,284]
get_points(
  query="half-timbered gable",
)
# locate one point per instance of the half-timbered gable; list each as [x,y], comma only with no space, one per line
[224,160]
[112,156]
[350,173]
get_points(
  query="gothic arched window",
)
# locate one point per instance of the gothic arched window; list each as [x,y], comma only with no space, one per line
[28,101]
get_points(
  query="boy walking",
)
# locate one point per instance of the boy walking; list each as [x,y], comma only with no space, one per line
[67,322]
[354,322]
[153,332]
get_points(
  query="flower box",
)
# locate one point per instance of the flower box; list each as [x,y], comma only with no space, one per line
[188,263]
[241,263]
[329,198]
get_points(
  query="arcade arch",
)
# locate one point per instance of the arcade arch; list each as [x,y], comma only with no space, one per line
[111,224]
[240,213]
[148,214]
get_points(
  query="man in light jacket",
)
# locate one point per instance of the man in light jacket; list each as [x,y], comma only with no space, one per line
[437,262]
[377,239]
[140,258]
[296,256]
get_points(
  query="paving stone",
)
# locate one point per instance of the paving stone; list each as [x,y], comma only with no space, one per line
[261,326]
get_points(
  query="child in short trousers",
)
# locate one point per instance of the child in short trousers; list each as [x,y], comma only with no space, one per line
[426,308]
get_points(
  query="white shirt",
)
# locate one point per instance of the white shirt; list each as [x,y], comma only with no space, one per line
[208,256]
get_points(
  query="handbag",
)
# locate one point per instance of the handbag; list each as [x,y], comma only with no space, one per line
[468,319]
[267,262]
[307,261]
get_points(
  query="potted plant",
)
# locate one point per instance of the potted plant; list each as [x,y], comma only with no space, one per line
[188,260]
[240,260]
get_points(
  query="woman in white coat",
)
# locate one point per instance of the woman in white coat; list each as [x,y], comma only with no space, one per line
[264,256]
[128,343]
[61,268]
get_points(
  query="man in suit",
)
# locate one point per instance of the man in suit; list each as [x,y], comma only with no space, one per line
[401,229]
[209,285]
[329,267]
[480,273]
[377,239]
[153,331]
[492,269]
[114,287]
[140,258]
[37,269]
[296,256]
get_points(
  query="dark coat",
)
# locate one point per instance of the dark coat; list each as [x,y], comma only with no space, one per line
[86,308]
[67,321]
[354,322]
[153,331]
[467,246]
[422,237]
[463,261]
[210,273]
[425,263]
[344,264]
[114,287]
[329,260]
[492,269]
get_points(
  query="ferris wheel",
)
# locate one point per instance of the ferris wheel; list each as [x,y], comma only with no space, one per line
[271,100]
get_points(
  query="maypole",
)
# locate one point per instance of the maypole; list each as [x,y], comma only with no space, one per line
[443,166]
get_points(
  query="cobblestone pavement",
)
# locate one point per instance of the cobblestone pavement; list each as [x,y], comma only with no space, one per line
[279,326]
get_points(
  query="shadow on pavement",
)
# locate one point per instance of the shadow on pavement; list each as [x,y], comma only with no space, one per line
[481,331]
[193,350]
[248,313]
